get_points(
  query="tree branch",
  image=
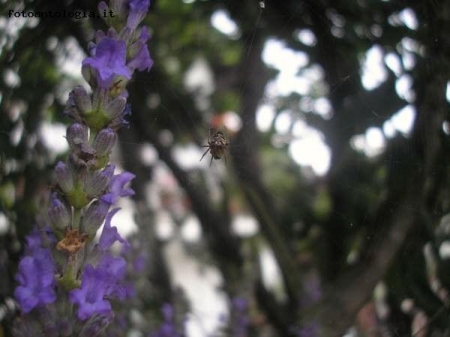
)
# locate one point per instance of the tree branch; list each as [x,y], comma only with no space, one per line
[224,245]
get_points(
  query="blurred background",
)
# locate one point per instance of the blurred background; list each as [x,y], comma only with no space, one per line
[328,215]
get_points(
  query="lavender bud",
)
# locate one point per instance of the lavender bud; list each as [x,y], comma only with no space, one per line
[100,99]
[71,110]
[88,75]
[104,141]
[115,107]
[82,100]
[59,213]
[94,217]
[97,181]
[76,135]
[64,176]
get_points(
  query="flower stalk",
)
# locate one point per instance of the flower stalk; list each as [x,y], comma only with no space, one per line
[66,280]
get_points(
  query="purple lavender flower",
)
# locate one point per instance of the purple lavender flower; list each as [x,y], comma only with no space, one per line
[114,270]
[116,188]
[108,59]
[34,242]
[168,328]
[90,296]
[113,267]
[240,321]
[35,277]
[98,284]
[110,234]
[138,10]
[140,57]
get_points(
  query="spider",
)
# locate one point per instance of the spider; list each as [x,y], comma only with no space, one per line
[217,146]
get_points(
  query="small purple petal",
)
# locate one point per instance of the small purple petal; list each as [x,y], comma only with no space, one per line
[110,234]
[114,267]
[116,187]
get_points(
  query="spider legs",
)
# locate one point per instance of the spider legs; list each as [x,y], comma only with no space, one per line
[204,154]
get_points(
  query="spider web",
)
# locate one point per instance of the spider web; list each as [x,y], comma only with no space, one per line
[372,143]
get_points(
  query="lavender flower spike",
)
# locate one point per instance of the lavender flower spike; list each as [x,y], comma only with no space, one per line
[64,271]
